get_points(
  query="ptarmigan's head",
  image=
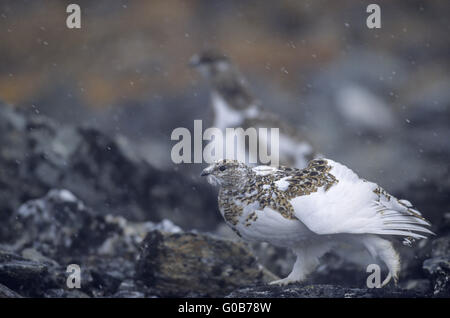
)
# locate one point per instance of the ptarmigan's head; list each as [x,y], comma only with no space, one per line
[210,63]
[226,172]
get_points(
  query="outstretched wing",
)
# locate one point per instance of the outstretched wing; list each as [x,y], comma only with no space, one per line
[354,205]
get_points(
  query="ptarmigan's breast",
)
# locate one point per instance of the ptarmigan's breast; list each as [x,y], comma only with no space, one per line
[265,224]
[262,211]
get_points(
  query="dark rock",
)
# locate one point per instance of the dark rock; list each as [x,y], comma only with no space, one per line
[190,264]
[438,269]
[322,291]
[13,266]
[100,277]
[108,274]
[64,293]
[5,292]
[131,289]
[20,274]
[128,294]
[30,278]
[417,285]
[36,155]
[22,270]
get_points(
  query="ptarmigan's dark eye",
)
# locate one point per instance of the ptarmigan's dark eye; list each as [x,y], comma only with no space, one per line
[222,168]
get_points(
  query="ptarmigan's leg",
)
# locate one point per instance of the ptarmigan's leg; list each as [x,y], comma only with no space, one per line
[307,261]
[384,250]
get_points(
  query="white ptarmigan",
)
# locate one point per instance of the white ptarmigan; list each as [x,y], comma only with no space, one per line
[314,210]
[234,106]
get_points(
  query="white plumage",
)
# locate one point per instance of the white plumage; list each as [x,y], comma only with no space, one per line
[354,205]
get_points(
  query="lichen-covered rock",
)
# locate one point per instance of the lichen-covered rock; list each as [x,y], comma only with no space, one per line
[57,230]
[190,264]
[60,225]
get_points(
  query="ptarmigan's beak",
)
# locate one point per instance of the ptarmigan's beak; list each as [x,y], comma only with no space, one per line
[207,171]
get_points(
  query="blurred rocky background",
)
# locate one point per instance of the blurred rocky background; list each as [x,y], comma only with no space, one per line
[85,123]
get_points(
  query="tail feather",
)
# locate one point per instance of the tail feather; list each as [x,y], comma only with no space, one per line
[400,233]
[399,218]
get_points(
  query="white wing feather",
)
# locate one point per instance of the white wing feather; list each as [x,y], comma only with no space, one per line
[354,205]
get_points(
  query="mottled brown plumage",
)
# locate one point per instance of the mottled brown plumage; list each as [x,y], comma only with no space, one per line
[262,189]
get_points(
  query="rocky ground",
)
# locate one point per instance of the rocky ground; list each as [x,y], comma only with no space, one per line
[73,195]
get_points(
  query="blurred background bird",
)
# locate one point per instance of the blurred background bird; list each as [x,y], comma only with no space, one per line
[234,106]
